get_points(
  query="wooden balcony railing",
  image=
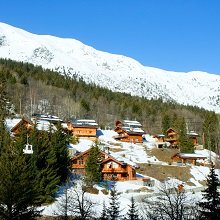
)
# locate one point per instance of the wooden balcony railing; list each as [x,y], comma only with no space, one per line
[114,170]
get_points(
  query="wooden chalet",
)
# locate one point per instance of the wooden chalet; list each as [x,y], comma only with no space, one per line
[187,158]
[50,118]
[84,129]
[172,137]
[16,125]
[160,140]
[111,168]
[194,136]
[159,137]
[129,131]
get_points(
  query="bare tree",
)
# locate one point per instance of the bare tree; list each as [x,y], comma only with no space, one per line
[75,203]
[171,203]
[83,205]
[64,204]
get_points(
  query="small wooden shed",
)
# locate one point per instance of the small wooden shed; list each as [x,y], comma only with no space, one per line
[187,158]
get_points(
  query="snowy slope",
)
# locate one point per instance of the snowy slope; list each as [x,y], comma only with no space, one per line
[127,189]
[116,72]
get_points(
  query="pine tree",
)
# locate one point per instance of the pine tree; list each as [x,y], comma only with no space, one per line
[59,146]
[210,126]
[113,210]
[92,168]
[185,143]
[48,163]
[3,99]
[132,212]
[17,196]
[21,138]
[166,123]
[46,171]
[104,215]
[210,205]
[4,137]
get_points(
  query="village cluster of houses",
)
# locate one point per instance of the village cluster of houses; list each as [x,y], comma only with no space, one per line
[111,168]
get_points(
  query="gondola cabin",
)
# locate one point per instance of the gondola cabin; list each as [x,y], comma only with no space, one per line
[28,149]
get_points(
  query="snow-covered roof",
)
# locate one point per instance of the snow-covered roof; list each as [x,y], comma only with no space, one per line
[135,129]
[11,122]
[86,120]
[160,135]
[188,155]
[44,125]
[90,122]
[123,159]
[51,118]
[132,123]
[64,125]
[192,133]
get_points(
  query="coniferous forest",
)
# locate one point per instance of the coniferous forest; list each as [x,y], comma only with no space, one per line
[28,181]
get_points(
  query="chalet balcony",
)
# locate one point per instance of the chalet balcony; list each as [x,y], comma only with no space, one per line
[171,139]
[121,135]
[78,166]
[171,133]
[114,170]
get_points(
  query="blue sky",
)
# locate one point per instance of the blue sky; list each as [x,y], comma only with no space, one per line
[178,35]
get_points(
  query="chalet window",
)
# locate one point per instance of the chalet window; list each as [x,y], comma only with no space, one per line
[114,176]
[110,165]
[81,161]
[123,165]
[115,165]
[74,161]
[133,173]
[109,176]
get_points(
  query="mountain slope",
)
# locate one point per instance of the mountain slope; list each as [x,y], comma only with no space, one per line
[116,72]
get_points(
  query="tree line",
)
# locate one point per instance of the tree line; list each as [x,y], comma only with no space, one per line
[35,90]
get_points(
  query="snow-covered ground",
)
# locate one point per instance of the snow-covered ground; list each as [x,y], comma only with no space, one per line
[135,153]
